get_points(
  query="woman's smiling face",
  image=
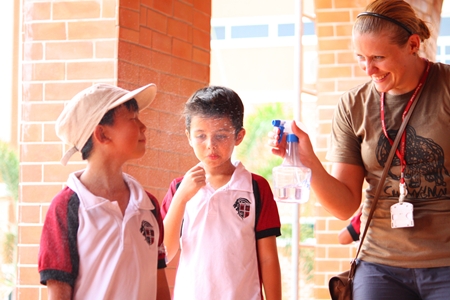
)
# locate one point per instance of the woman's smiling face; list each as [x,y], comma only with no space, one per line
[386,63]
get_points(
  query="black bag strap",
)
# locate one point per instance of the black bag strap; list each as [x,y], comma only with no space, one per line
[382,179]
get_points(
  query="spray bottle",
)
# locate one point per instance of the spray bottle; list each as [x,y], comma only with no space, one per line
[291,179]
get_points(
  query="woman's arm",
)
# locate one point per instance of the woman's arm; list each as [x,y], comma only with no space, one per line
[270,267]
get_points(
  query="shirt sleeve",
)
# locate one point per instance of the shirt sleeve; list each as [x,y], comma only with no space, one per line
[169,196]
[58,257]
[268,222]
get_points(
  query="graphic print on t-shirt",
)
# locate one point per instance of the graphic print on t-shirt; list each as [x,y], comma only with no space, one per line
[242,207]
[148,232]
[424,161]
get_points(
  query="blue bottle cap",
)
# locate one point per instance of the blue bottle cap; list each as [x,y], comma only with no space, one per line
[292,138]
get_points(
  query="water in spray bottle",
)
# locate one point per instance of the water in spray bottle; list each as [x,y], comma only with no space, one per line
[291,180]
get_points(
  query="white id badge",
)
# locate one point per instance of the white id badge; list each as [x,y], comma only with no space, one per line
[402,215]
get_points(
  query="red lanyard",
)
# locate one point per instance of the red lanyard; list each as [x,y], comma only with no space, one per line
[401,153]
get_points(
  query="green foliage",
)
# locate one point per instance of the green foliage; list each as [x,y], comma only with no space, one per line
[9,248]
[9,174]
[9,169]
[254,152]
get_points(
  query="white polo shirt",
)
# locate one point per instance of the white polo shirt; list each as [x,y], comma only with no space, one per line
[218,240]
[88,243]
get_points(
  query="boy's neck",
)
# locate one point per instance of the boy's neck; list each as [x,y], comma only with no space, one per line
[106,184]
[218,177]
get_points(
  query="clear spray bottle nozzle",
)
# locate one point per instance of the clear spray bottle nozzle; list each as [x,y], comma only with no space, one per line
[284,126]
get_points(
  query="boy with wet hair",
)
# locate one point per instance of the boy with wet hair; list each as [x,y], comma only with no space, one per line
[103,234]
[227,216]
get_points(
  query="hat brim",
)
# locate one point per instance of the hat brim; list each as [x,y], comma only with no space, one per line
[143,95]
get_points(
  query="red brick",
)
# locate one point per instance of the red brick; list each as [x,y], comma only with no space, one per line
[30,173]
[147,3]
[181,67]
[202,21]
[106,49]
[29,234]
[189,86]
[40,112]
[201,56]
[40,152]
[36,11]
[109,8]
[200,72]
[161,42]
[181,49]
[27,275]
[58,172]
[50,133]
[29,214]
[202,39]
[143,16]
[69,50]
[45,31]
[129,35]
[31,133]
[183,11]
[161,62]
[163,6]
[90,70]
[203,6]
[76,10]
[323,4]
[157,21]
[149,76]
[129,19]
[131,4]
[124,50]
[32,91]
[43,71]
[130,72]
[179,30]
[28,255]
[64,90]
[28,292]
[86,30]
[39,193]
[141,55]
[33,51]
[170,83]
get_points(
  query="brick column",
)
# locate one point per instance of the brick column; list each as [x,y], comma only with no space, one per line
[68,46]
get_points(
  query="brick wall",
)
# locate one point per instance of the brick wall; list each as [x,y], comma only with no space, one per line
[68,46]
[337,73]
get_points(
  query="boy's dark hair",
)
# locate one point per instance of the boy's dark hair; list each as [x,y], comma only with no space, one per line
[215,101]
[108,119]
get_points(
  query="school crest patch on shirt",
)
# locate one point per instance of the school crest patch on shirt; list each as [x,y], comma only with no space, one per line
[242,207]
[148,232]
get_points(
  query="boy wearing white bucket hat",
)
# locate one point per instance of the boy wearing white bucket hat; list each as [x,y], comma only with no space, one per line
[103,235]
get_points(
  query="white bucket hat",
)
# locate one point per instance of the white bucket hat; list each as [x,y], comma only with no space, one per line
[77,121]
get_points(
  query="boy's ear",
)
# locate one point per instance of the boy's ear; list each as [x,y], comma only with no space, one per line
[240,137]
[188,137]
[100,134]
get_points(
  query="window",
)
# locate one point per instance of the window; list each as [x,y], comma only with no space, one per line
[249,31]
